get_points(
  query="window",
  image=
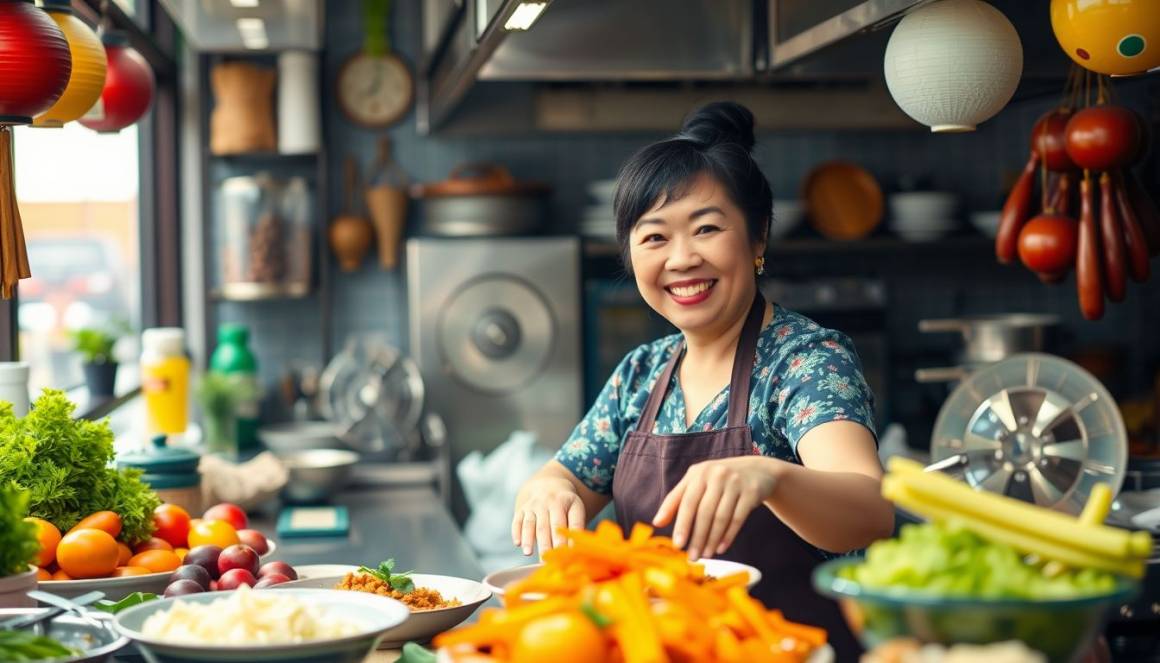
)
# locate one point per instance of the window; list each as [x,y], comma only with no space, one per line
[78,193]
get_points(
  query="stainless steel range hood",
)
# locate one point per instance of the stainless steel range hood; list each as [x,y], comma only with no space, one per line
[799,47]
[224,26]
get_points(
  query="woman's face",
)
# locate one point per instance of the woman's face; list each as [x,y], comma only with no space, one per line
[693,259]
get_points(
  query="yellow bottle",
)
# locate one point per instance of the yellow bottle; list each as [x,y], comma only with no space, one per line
[165,380]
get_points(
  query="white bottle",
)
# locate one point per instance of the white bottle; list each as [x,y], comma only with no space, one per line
[14,386]
[299,121]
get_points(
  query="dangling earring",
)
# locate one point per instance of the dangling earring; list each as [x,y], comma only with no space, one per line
[760,265]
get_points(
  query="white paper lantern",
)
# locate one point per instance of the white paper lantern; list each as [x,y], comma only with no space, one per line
[953,64]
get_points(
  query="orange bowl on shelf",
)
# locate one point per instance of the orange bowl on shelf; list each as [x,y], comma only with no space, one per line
[843,200]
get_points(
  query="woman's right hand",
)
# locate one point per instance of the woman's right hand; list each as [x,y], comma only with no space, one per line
[545,505]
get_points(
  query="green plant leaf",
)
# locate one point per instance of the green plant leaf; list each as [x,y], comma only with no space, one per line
[18,544]
[136,598]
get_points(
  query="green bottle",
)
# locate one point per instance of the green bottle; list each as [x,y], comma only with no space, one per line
[233,357]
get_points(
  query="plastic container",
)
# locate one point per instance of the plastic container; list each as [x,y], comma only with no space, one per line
[170,471]
[14,386]
[233,357]
[299,122]
[165,380]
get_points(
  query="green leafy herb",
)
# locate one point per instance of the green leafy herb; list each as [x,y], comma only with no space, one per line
[18,544]
[64,464]
[400,582]
[96,345]
[25,646]
[593,614]
[221,393]
[416,653]
[136,598]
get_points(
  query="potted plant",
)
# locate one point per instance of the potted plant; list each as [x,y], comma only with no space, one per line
[219,395]
[18,548]
[96,349]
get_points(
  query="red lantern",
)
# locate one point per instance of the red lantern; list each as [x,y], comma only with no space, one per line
[128,89]
[34,62]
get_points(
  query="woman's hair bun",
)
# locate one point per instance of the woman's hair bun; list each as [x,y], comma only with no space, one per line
[720,122]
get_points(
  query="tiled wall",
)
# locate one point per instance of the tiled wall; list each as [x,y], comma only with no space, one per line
[975,165]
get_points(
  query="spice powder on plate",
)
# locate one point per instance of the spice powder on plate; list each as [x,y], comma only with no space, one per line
[421,598]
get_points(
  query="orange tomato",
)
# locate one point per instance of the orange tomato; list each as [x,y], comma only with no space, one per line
[567,637]
[87,553]
[181,553]
[123,553]
[106,521]
[213,532]
[61,575]
[157,561]
[122,571]
[171,522]
[153,543]
[48,536]
[42,574]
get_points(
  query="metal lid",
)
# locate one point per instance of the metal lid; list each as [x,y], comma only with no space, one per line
[162,459]
[1035,427]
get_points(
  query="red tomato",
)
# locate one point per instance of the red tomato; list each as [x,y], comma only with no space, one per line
[1047,244]
[171,523]
[231,513]
[1104,137]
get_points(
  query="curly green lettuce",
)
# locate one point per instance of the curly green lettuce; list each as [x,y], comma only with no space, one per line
[64,463]
[18,544]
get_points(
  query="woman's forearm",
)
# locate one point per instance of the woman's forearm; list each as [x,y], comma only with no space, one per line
[835,511]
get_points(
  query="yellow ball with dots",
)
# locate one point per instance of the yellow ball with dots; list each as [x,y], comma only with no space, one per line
[1116,37]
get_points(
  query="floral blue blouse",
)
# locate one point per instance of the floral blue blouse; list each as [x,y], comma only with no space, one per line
[804,375]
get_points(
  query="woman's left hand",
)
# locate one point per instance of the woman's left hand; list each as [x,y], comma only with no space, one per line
[713,500]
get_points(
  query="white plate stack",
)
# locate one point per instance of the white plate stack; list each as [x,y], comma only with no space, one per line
[597,220]
[923,216]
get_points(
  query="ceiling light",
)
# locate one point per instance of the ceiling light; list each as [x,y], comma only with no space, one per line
[253,31]
[525,15]
[244,4]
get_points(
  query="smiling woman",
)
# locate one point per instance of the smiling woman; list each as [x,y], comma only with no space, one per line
[749,435]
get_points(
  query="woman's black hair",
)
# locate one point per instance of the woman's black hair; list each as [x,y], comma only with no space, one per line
[717,139]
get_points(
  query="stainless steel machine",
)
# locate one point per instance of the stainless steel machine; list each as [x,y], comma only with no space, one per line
[495,329]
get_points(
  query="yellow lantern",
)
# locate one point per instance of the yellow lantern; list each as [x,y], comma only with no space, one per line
[89,65]
[1116,37]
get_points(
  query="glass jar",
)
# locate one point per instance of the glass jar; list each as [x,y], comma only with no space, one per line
[263,239]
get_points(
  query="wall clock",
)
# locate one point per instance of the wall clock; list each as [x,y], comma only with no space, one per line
[375,91]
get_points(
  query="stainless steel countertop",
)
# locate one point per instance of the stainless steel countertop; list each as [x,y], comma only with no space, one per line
[409,524]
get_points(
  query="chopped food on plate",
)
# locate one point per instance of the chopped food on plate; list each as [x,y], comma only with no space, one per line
[247,617]
[631,600]
[399,586]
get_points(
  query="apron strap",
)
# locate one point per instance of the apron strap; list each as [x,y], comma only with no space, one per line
[656,396]
[738,381]
[743,363]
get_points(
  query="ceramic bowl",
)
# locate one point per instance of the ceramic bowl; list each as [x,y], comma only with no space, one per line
[376,615]
[116,589]
[424,624]
[716,568]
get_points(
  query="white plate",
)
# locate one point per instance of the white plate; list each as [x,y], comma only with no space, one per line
[423,625]
[116,589]
[376,614]
[716,568]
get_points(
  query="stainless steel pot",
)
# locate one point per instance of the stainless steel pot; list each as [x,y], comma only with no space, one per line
[986,340]
[481,199]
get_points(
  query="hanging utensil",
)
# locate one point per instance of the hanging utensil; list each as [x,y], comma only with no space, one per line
[350,234]
[386,198]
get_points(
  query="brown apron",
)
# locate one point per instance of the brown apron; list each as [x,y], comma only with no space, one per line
[651,465]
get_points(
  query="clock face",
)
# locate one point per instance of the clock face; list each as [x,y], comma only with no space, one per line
[374,90]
